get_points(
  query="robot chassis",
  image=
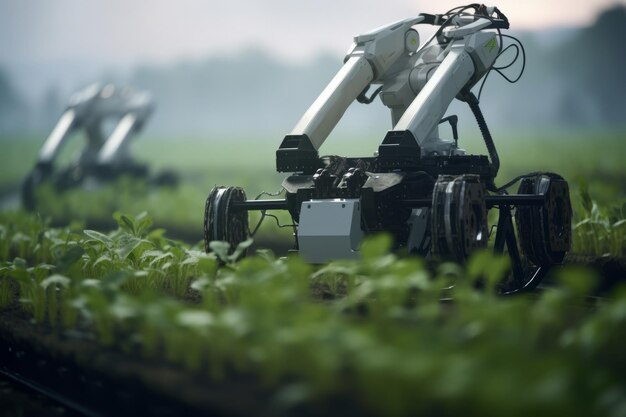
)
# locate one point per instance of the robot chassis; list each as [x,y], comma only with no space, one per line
[103,157]
[423,190]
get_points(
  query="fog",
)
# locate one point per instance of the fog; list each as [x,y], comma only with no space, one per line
[573,75]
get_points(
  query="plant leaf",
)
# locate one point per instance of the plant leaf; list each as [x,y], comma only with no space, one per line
[376,246]
[100,237]
[241,248]
[126,245]
[125,223]
[70,257]
[143,222]
[55,279]
[220,249]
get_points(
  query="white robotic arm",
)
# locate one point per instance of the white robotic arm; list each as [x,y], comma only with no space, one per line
[102,156]
[418,86]
[371,58]
[53,143]
[465,61]
[88,109]
[324,114]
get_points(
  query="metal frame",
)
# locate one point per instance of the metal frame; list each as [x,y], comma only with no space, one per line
[490,200]
[505,238]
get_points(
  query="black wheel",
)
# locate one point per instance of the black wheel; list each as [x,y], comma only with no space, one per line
[39,174]
[29,186]
[545,231]
[166,178]
[524,274]
[69,178]
[221,221]
[459,217]
[542,235]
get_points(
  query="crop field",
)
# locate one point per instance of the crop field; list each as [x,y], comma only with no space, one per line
[110,283]
[370,335]
[590,161]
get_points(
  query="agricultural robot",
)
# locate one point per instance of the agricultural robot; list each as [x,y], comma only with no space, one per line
[424,190]
[104,157]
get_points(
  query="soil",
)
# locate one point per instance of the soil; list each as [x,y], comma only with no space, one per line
[610,270]
[98,382]
[19,400]
[109,382]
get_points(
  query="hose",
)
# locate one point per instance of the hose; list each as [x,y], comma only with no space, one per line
[472,101]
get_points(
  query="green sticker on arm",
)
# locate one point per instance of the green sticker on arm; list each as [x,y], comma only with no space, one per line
[491,45]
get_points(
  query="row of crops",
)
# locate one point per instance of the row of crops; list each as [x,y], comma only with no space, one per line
[374,332]
[597,229]
[249,163]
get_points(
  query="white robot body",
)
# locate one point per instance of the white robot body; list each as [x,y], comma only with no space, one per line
[418,86]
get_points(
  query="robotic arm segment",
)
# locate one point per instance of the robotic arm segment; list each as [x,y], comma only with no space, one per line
[114,147]
[465,30]
[442,71]
[324,114]
[102,157]
[384,46]
[417,85]
[54,142]
[88,109]
[430,105]
[74,117]
[134,109]
[372,57]
[369,60]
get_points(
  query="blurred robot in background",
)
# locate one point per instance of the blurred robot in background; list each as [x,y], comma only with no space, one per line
[104,157]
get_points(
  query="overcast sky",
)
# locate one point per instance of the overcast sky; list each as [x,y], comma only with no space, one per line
[125,32]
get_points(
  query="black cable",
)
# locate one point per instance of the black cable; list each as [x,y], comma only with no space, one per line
[518,47]
[518,178]
[438,32]
[264,214]
[278,221]
[277,193]
[476,8]
[472,101]
[517,52]
[513,181]
[521,46]
[460,9]
[256,228]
